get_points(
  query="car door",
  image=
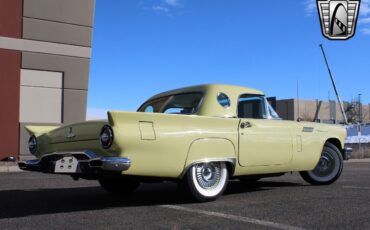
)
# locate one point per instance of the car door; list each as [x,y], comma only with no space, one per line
[262,141]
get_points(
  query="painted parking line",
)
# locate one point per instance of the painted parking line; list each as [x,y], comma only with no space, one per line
[233,217]
[356,187]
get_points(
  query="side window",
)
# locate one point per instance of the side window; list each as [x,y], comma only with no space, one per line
[251,106]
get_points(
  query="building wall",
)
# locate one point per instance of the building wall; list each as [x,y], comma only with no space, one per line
[328,112]
[286,109]
[10,62]
[45,49]
[9,97]
[11,18]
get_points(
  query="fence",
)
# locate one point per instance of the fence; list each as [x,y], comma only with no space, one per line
[358,138]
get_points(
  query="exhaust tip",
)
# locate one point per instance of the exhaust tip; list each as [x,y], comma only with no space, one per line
[22,165]
[96,163]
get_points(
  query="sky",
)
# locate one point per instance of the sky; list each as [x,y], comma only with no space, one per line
[144,47]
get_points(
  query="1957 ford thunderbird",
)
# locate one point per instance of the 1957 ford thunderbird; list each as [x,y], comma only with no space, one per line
[200,136]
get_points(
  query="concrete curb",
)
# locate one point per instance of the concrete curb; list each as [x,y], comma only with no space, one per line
[363,160]
[9,169]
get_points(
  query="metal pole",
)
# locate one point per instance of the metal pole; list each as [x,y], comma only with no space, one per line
[359,109]
[334,86]
[298,117]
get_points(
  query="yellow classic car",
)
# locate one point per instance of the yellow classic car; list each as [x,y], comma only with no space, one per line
[200,136]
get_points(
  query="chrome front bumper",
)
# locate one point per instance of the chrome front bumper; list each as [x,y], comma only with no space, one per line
[347,152]
[88,162]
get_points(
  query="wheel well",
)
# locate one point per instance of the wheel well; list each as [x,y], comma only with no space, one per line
[337,144]
[230,168]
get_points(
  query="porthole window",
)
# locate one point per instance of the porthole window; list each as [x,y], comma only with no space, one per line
[223,100]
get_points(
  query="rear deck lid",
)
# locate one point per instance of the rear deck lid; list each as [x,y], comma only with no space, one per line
[84,131]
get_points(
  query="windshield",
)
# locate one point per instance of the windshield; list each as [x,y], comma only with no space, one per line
[272,114]
[175,104]
[255,106]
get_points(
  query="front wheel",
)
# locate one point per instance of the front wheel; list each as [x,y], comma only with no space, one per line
[206,181]
[119,185]
[328,169]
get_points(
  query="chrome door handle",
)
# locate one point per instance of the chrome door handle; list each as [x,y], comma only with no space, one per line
[246,124]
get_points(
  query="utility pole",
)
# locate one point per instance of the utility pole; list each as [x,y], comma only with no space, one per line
[359,108]
[334,86]
[298,117]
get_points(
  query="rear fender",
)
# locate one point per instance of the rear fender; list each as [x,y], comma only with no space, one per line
[39,130]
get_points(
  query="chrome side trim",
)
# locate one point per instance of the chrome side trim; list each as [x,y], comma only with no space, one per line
[208,160]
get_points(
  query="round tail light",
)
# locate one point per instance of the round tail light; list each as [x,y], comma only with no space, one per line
[106,137]
[32,144]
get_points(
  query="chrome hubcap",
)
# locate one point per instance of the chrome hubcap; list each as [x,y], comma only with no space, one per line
[208,174]
[325,166]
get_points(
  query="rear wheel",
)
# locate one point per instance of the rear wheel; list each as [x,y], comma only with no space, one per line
[206,181]
[328,169]
[119,185]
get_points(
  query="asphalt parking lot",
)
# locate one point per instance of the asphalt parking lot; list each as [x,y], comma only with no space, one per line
[40,201]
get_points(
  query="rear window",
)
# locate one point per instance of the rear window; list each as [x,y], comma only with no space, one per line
[176,104]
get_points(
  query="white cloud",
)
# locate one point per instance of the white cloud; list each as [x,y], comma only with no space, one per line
[364,16]
[96,113]
[160,9]
[365,7]
[366,31]
[364,20]
[171,2]
[310,6]
[166,6]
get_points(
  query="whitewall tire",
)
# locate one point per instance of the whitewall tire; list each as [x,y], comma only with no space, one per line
[207,181]
[328,169]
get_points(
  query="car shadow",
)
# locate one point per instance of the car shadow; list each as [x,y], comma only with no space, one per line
[21,203]
[236,186]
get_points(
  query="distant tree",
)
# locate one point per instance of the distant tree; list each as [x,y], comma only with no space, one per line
[306,116]
[351,112]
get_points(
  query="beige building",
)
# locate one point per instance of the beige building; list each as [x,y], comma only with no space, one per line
[310,110]
[45,50]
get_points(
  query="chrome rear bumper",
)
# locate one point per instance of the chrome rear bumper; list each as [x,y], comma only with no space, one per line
[111,163]
[88,162]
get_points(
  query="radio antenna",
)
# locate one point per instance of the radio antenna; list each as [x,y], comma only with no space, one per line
[334,86]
